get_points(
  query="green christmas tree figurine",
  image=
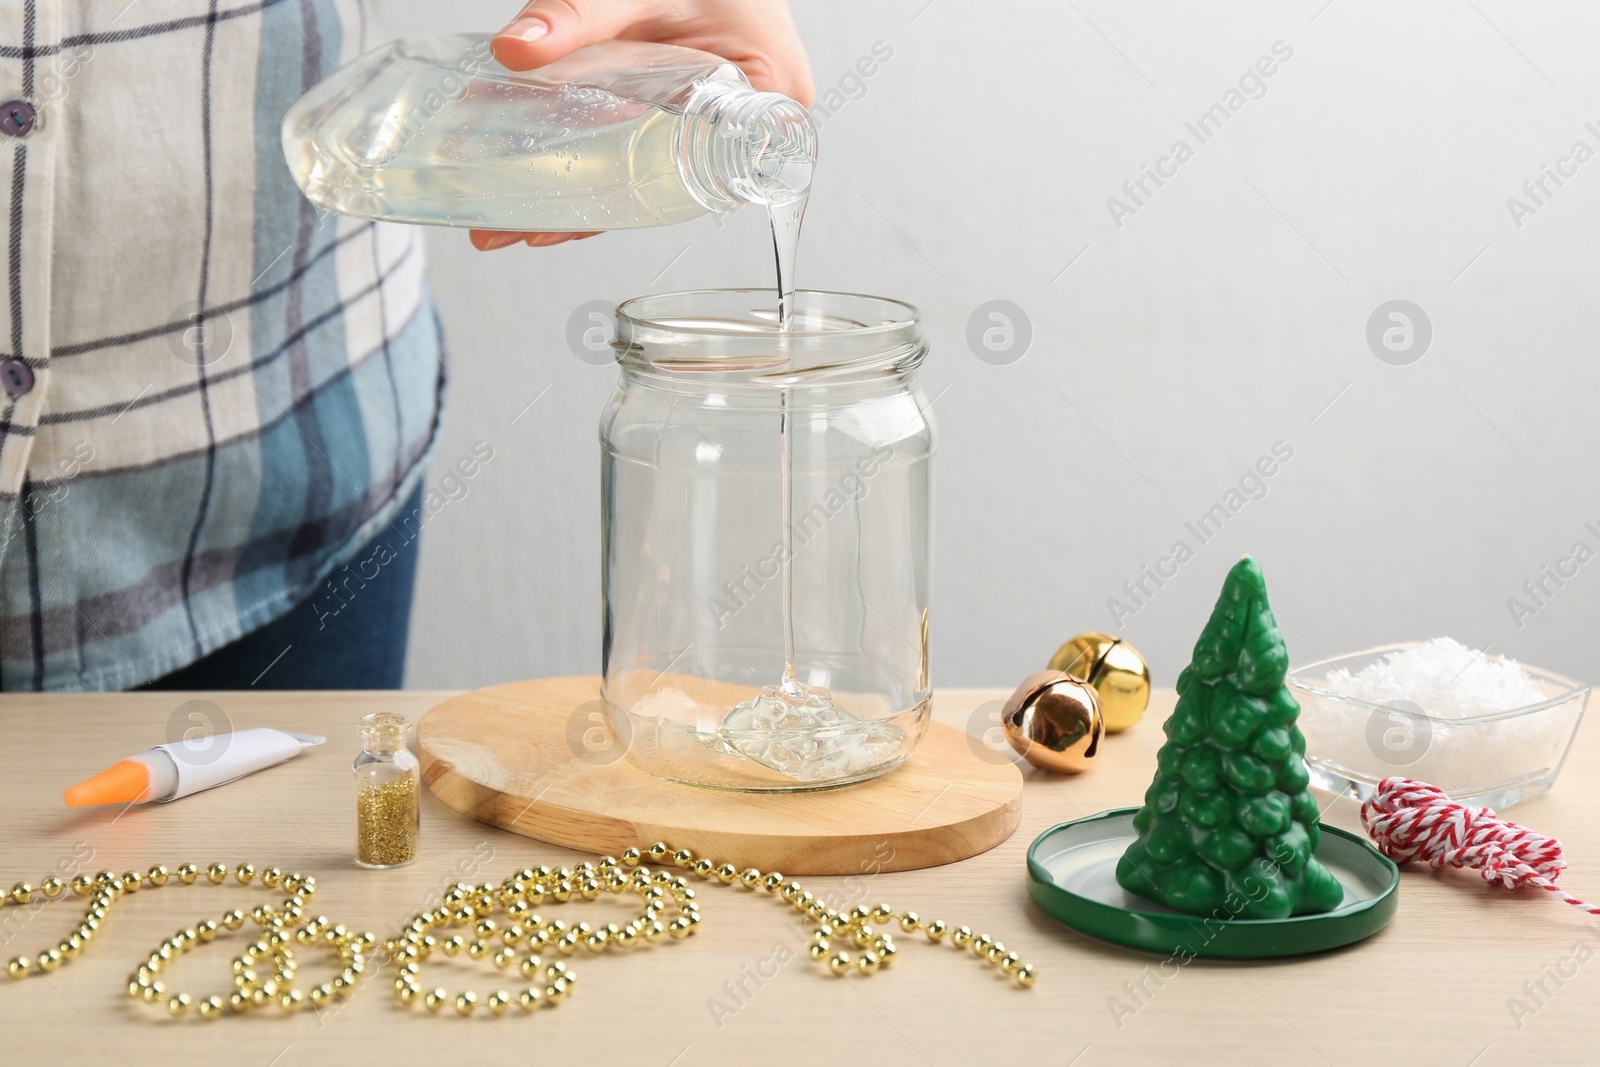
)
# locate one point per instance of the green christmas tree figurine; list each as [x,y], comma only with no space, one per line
[1228,827]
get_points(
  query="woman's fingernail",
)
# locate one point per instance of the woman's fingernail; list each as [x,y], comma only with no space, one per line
[529,29]
[499,240]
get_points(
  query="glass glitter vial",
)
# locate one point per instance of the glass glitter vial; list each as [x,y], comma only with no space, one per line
[388,787]
[1229,821]
[767,538]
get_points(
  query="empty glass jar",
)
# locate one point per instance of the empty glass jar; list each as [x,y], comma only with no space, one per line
[768,541]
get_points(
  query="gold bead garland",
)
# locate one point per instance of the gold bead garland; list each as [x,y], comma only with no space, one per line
[476,906]
[270,953]
[264,975]
[852,930]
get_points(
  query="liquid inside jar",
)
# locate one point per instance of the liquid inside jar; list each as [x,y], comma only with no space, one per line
[767,496]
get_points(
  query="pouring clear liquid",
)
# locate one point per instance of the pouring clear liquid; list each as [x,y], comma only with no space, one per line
[618,135]
[791,727]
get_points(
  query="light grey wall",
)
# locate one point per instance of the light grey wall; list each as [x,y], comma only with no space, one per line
[1227,312]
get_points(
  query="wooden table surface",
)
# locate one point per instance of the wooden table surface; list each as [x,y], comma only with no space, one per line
[1436,987]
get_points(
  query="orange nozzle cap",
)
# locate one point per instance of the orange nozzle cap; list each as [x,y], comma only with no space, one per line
[120,783]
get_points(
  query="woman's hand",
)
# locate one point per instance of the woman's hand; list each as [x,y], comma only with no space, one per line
[758,35]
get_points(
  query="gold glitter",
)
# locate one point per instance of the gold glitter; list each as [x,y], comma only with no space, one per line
[386,822]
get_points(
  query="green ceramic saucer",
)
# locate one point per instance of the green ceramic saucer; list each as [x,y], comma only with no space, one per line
[1072,876]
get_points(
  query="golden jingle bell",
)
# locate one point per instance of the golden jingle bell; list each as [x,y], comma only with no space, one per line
[1116,670]
[1053,720]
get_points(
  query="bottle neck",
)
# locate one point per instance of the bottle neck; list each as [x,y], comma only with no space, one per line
[383,734]
[740,146]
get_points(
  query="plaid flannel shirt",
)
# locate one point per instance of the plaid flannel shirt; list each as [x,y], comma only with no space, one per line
[212,395]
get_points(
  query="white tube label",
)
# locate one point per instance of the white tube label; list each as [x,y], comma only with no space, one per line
[204,762]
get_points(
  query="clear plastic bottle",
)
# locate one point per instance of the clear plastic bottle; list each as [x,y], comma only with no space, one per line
[617,135]
[388,793]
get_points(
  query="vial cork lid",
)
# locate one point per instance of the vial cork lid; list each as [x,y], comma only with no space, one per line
[383,731]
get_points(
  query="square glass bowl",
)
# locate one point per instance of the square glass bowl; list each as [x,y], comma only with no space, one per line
[1490,759]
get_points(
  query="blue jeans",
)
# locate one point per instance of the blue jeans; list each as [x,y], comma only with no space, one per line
[350,636]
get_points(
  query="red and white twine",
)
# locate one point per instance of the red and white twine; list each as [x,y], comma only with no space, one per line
[1411,820]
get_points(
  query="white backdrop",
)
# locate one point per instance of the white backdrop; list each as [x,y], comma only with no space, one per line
[1178,336]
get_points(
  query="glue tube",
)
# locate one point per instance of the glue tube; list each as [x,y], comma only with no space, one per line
[175,770]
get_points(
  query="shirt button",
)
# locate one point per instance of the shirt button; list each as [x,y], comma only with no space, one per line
[16,377]
[17,117]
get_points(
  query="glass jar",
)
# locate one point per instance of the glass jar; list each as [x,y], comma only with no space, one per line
[767,547]
[388,793]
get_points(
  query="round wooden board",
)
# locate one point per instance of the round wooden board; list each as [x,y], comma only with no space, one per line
[503,756]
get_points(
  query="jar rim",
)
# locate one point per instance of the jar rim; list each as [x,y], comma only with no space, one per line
[912,316]
[733,335]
